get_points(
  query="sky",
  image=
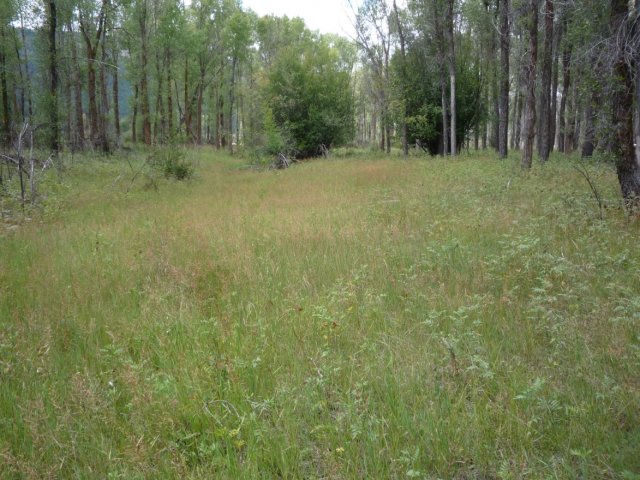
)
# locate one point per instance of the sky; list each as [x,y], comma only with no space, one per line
[327,16]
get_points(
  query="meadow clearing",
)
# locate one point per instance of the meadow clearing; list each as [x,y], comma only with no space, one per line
[361,317]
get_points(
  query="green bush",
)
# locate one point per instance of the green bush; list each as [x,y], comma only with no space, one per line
[172,163]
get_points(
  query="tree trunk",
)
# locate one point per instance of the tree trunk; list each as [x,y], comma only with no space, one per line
[627,166]
[91,93]
[578,120]
[28,73]
[451,59]
[6,115]
[104,97]
[232,100]
[187,101]
[588,144]
[22,82]
[53,77]
[78,142]
[199,104]
[403,73]
[514,120]
[134,115]
[503,128]
[92,51]
[144,87]
[545,139]
[440,42]
[566,85]
[169,96]
[530,109]
[116,96]
[445,118]
[570,121]
[159,122]
[554,88]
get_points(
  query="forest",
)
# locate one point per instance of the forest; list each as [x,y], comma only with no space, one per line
[235,247]
[441,75]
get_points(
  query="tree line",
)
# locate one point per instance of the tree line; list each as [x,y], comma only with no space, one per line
[441,75]
[527,75]
[94,74]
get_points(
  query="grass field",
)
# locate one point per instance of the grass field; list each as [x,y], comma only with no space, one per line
[344,318]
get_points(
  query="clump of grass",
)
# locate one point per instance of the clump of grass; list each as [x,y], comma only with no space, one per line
[361,318]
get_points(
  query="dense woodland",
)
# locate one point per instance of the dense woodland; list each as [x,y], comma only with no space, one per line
[437,75]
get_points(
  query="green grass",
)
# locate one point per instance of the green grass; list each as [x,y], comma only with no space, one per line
[345,318]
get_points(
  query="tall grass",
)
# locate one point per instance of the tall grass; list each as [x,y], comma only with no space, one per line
[345,318]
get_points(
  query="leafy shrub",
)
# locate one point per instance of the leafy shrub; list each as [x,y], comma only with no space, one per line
[172,163]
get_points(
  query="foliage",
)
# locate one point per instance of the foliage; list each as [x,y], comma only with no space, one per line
[309,93]
[172,162]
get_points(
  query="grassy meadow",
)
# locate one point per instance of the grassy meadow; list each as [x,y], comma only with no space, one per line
[361,317]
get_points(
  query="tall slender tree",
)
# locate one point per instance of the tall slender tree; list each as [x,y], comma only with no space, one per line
[505,35]
[545,138]
[531,27]
[624,28]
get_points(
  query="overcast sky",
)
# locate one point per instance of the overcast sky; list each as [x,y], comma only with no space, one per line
[327,16]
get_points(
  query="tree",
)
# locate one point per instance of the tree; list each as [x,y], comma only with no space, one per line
[403,79]
[310,97]
[544,135]
[624,29]
[53,72]
[92,24]
[531,26]
[451,64]
[374,39]
[505,34]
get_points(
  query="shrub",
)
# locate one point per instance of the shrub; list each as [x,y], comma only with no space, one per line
[172,163]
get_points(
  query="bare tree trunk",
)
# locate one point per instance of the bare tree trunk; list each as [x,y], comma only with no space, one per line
[515,119]
[144,87]
[159,122]
[78,143]
[530,111]
[503,129]
[104,97]
[134,116]
[445,118]
[403,57]
[22,82]
[91,86]
[27,72]
[554,87]
[627,165]
[92,51]
[199,104]
[545,139]
[232,100]
[187,103]
[566,85]
[68,92]
[452,73]
[53,77]
[222,140]
[169,96]
[116,96]
[440,42]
